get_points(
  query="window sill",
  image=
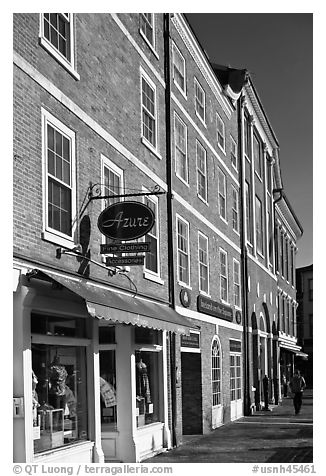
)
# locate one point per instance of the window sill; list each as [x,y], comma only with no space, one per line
[203,293]
[235,168]
[151,148]
[57,240]
[201,120]
[223,219]
[258,176]
[182,180]
[153,277]
[149,44]
[203,200]
[236,232]
[53,52]
[184,285]
[184,94]
[221,148]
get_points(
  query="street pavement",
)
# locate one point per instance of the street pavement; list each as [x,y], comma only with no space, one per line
[275,436]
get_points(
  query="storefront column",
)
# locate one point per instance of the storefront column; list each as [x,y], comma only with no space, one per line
[126,394]
[95,410]
[167,433]
[270,367]
[22,376]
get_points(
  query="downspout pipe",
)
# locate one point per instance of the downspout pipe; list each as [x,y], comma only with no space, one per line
[169,205]
[244,266]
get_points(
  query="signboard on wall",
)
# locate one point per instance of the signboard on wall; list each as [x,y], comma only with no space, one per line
[191,341]
[214,308]
[124,221]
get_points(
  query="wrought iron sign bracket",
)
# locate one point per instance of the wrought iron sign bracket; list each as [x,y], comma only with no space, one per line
[95,193]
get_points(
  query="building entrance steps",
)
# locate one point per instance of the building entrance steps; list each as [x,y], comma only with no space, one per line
[277,436]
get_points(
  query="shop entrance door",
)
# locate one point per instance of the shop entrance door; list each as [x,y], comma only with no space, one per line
[192,421]
[236,386]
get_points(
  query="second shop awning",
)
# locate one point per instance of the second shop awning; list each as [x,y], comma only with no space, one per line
[105,303]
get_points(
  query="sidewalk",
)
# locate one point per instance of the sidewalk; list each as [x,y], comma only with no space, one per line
[276,436]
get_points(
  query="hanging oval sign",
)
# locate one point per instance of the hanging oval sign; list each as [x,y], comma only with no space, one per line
[126,220]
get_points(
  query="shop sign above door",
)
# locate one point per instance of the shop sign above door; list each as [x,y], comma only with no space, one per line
[126,221]
[214,308]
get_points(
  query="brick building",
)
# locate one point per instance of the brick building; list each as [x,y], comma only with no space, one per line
[305,325]
[114,362]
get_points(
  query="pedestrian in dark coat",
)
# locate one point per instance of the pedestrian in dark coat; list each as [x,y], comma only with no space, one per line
[297,386]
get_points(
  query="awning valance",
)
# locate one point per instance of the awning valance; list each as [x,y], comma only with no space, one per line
[303,355]
[105,303]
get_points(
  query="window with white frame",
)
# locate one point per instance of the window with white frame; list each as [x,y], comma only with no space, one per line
[247,137]
[259,226]
[59,178]
[149,113]
[180,148]
[220,131]
[257,155]
[56,35]
[222,194]
[179,68]
[112,180]
[151,262]
[235,376]
[234,153]
[146,27]
[183,251]
[224,275]
[235,209]
[199,101]
[286,257]
[216,373]
[236,283]
[203,263]
[201,161]
[248,213]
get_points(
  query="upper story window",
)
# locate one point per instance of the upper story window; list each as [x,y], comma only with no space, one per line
[203,263]
[259,227]
[59,185]
[220,130]
[200,101]
[292,267]
[286,260]
[257,155]
[183,257]
[146,27]
[236,283]
[151,263]
[201,162]
[56,35]
[235,209]
[270,232]
[281,245]
[234,154]
[247,137]
[149,112]
[222,194]
[269,171]
[248,213]
[224,275]
[112,180]
[180,149]
[179,69]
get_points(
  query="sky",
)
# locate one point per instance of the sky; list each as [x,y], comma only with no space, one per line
[277,50]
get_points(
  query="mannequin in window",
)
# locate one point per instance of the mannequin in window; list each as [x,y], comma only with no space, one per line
[57,390]
[143,388]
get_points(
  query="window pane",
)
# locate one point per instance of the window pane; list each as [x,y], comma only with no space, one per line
[59,395]
[108,390]
[147,388]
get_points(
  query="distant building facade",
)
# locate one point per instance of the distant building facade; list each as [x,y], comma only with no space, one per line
[305,323]
[112,361]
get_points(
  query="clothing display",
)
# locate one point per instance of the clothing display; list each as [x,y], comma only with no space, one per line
[57,375]
[107,393]
[143,388]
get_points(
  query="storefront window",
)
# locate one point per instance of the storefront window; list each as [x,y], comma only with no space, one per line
[148,375]
[59,395]
[108,390]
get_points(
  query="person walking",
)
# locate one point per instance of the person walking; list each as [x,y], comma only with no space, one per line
[297,385]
